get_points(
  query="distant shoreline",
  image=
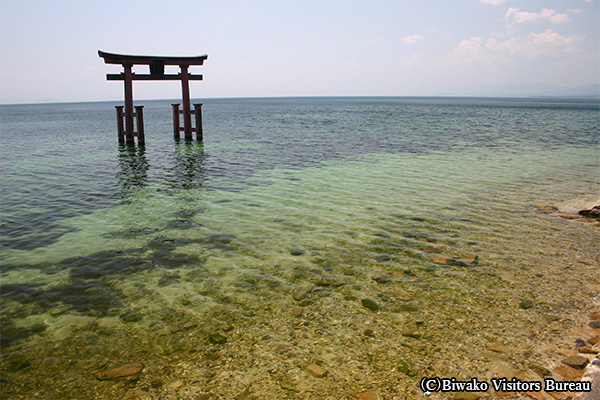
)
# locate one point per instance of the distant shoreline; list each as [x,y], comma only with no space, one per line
[445,97]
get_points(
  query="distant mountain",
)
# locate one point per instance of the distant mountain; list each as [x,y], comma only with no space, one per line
[525,90]
[581,91]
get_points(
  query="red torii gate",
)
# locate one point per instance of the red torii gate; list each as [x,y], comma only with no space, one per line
[157,73]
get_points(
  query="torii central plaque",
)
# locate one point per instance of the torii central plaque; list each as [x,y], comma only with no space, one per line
[157,73]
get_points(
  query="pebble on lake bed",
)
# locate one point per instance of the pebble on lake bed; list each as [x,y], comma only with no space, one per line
[297,312]
[370,304]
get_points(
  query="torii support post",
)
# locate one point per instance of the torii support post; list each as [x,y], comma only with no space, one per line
[139,116]
[199,131]
[157,72]
[120,128]
[176,121]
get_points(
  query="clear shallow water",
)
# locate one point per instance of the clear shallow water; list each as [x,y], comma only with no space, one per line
[110,252]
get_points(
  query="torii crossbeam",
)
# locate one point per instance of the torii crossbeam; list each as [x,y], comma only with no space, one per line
[157,73]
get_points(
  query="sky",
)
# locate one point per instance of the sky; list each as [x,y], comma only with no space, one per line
[265,48]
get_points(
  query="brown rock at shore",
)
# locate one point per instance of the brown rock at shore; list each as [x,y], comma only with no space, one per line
[576,361]
[587,350]
[593,212]
[566,352]
[569,373]
[594,340]
[125,370]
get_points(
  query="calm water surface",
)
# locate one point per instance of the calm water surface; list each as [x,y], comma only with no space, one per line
[112,254]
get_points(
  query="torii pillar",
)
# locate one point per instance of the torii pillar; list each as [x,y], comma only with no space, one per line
[157,72]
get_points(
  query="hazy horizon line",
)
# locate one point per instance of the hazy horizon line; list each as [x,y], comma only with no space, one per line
[474,96]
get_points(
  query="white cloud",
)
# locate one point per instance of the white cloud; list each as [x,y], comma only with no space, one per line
[493,2]
[469,49]
[547,44]
[554,44]
[518,16]
[412,39]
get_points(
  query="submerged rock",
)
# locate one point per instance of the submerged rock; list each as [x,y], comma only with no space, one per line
[405,308]
[217,338]
[441,260]
[297,312]
[525,304]
[369,332]
[541,371]
[316,371]
[546,208]
[381,279]
[125,370]
[469,260]
[404,368]
[176,384]
[370,304]
[300,294]
[369,395]
[432,250]
[243,395]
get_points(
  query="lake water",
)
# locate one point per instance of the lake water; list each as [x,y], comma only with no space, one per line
[231,266]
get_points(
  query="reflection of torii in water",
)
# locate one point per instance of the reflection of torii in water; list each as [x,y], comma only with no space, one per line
[157,73]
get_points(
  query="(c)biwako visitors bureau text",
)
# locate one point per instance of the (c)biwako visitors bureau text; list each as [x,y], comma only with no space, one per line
[435,384]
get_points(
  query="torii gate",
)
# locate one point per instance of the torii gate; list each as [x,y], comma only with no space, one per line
[157,73]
